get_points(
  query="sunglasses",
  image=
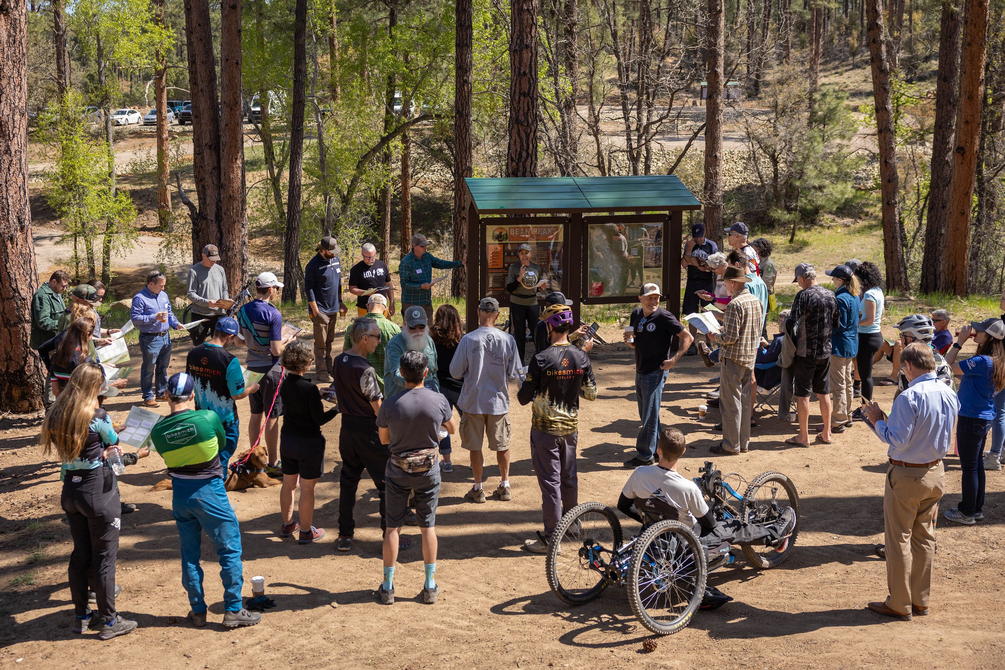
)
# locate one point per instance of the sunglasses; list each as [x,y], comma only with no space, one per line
[419,326]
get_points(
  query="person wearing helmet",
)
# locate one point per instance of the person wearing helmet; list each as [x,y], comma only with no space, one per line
[919,328]
[556,378]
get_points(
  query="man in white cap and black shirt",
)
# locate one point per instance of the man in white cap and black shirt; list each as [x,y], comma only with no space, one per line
[323,286]
[207,286]
[736,236]
[522,283]
[416,273]
[659,341]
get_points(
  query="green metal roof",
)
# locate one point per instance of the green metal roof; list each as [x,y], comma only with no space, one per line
[570,195]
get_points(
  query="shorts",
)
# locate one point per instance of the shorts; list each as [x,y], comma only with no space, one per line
[399,485]
[261,399]
[496,426]
[811,373]
[308,460]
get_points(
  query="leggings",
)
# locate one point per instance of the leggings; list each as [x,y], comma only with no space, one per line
[868,345]
[90,499]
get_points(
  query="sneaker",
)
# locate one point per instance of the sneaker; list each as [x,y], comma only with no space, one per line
[446,466]
[691,351]
[712,395]
[536,546]
[81,624]
[287,530]
[502,493]
[429,595]
[475,496]
[323,378]
[115,627]
[386,597]
[197,619]
[92,597]
[715,380]
[956,516]
[857,415]
[127,508]
[274,471]
[312,535]
[788,417]
[637,462]
[717,427]
[149,402]
[344,543]
[992,463]
[978,516]
[705,352]
[241,618]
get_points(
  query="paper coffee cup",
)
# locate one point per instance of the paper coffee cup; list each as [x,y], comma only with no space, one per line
[630,332]
[702,409]
[258,585]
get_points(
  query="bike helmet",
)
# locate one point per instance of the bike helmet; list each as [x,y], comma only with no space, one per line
[558,315]
[918,326]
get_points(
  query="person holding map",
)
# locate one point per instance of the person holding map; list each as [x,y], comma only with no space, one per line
[152,315]
[416,272]
[370,277]
[208,292]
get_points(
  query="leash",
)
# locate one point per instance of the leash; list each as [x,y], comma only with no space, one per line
[265,423]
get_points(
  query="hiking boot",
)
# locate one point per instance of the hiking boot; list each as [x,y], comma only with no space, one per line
[241,618]
[273,471]
[637,462]
[705,352]
[344,543]
[197,619]
[475,496]
[429,595]
[386,596]
[150,402]
[446,466]
[323,378]
[127,508]
[991,462]
[691,351]
[312,535]
[115,627]
[81,624]
[956,516]
[92,597]
[502,493]
[287,530]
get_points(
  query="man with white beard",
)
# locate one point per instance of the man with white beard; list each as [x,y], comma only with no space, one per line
[414,337]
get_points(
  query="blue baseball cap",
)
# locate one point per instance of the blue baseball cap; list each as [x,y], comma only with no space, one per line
[180,385]
[228,326]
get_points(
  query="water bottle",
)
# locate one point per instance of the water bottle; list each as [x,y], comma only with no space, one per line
[115,462]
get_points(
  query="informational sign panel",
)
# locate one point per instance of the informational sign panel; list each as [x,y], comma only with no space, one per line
[622,257]
[502,243]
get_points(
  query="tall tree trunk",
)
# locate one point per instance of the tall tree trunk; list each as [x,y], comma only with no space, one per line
[233,215]
[384,196]
[946,100]
[160,93]
[21,378]
[787,32]
[328,225]
[569,52]
[293,273]
[206,219]
[463,38]
[406,194]
[762,54]
[274,169]
[893,249]
[333,52]
[715,44]
[59,40]
[521,155]
[968,129]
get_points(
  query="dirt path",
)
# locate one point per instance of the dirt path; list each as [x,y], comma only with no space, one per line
[496,610]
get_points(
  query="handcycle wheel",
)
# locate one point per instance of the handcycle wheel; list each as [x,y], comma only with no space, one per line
[666,577]
[586,532]
[768,491]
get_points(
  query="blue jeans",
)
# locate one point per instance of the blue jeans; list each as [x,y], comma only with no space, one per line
[201,504]
[451,397]
[998,426]
[233,432]
[970,437]
[156,350]
[649,389]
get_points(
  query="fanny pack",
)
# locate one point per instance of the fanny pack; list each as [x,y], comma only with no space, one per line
[415,462]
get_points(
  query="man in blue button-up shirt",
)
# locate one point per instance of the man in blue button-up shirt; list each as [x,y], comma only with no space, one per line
[919,431]
[152,315]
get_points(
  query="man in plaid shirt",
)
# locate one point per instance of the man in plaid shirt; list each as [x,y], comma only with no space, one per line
[814,315]
[739,340]
[416,273]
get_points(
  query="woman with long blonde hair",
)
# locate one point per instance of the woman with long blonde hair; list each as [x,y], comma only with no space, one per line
[81,434]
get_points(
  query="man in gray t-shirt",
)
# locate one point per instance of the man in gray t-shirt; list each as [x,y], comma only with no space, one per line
[207,286]
[486,359]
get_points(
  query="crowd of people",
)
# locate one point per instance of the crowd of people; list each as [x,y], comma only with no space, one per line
[396,389]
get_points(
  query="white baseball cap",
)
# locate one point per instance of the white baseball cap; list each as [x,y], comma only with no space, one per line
[268,280]
[649,289]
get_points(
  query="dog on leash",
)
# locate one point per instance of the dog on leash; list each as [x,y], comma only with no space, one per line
[250,474]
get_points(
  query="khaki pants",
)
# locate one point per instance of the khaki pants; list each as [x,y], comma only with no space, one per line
[324,336]
[910,505]
[842,388]
[734,404]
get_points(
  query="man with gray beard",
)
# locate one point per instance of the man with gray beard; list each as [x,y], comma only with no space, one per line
[414,337]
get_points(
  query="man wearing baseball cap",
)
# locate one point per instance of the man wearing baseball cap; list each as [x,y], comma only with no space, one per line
[219,382]
[377,309]
[86,296]
[736,236]
[523,283]
[323,286]
[207,288]
[414,337]
[262,333]
[700,276]
[416,273]
[189,441]
[659,341]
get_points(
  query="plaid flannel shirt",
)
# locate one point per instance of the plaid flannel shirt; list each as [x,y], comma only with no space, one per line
[412,279]
[388,329]
[741,328]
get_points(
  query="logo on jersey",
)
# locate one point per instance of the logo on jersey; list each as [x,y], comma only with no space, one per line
[651,327]
[182,434]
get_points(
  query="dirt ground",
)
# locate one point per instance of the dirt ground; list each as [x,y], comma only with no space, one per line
[496,609]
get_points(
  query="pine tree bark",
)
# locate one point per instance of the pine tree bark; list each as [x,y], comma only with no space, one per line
[206,218]
[968,130]
[712,192]
[59,41]
[762,54]
[521,155]
[21,374]
[293,273]
[160,94]
[336,92]
[463,38]
[384,196]
[893,249]
[568,48]
[946,100]
[233,205]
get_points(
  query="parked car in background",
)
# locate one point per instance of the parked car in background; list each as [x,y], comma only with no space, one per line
[185,114]
[91,114]
[176,105]
[126,117]
[255,107]
[151,118]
